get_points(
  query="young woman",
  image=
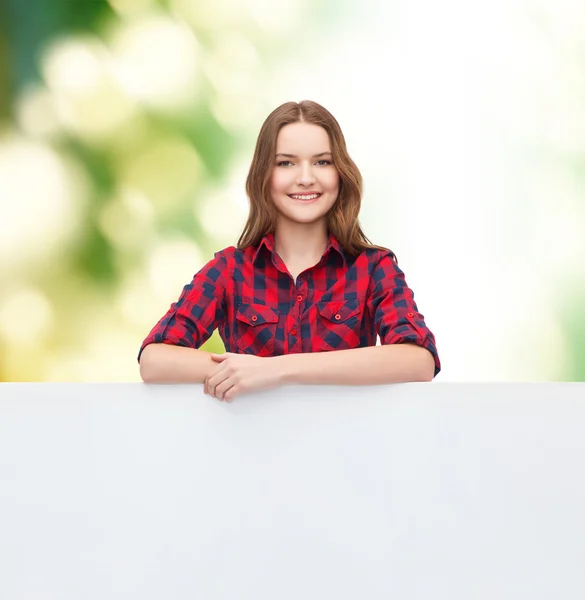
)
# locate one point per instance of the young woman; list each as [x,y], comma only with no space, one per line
[304,294]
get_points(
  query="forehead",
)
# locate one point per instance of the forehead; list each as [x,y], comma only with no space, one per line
[302,138]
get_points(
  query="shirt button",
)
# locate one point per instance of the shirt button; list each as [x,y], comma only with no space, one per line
[337,317]
[254,318]
[410,315]
[293,332]
[299,298]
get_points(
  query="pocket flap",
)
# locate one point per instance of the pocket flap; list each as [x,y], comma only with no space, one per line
[256,314]
[338,311]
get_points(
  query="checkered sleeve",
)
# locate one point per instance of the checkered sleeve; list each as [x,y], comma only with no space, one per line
[395,314]
[192,319]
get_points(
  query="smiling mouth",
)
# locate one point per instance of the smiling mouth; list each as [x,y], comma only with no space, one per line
[305,197]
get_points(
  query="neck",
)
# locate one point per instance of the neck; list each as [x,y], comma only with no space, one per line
[301,242]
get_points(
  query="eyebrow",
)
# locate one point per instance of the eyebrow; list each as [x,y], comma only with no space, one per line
[295,156]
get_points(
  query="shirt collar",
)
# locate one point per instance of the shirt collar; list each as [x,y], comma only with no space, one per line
[268,242]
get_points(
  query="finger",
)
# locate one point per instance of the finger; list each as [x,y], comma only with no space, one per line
[215,381]
[218,357]
[211,380]
[230,394]
[222,388]
[210,387]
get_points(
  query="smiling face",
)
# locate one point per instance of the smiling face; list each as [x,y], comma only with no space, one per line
[304,183]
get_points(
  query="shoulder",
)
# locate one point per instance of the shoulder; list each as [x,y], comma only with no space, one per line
[220,266]
[229,256]
[234,254]
[225,253]
[379,254]
[378,258]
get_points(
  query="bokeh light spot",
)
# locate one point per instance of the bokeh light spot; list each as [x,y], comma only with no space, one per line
[36,112]
[128,220]
[26,315]
[171,266]
[88,98]
[157,62]
[166,170]
[43,196]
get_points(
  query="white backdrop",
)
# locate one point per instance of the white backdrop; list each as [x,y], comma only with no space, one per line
[413,491]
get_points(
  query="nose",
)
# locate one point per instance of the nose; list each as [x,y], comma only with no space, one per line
[305,175]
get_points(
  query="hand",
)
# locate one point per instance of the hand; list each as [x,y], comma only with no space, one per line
[240,373]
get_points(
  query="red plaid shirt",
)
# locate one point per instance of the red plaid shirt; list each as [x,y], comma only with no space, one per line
[340,303]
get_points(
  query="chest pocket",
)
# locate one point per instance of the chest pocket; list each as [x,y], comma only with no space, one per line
[338,325]
[255,329]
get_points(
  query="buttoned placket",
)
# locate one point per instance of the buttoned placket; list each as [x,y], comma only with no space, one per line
[292,328]
[293,324]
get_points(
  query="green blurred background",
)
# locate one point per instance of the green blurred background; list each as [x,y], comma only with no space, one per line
[127,126]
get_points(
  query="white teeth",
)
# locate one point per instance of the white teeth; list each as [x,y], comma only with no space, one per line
[304,197]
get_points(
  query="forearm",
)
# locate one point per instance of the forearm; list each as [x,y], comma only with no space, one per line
[163,363]
[393,363]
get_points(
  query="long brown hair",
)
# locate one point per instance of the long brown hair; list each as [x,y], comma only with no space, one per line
[342,220]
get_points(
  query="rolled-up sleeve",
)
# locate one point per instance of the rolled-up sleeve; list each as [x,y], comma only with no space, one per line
[395,313]
[200,309]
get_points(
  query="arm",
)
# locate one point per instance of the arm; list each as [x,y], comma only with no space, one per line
[164,363]
[399,324]
[362,366]
[170,354]
[243,373]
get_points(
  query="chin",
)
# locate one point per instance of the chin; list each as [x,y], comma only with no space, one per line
[303,217]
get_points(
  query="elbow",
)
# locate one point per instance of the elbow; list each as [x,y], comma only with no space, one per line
[421,364]
[148,365]
[427,366]
[427,376]
[146,373]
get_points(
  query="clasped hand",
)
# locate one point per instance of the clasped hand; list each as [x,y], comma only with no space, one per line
[236,374]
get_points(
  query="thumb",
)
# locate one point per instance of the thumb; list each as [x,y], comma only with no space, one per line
[218,357]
